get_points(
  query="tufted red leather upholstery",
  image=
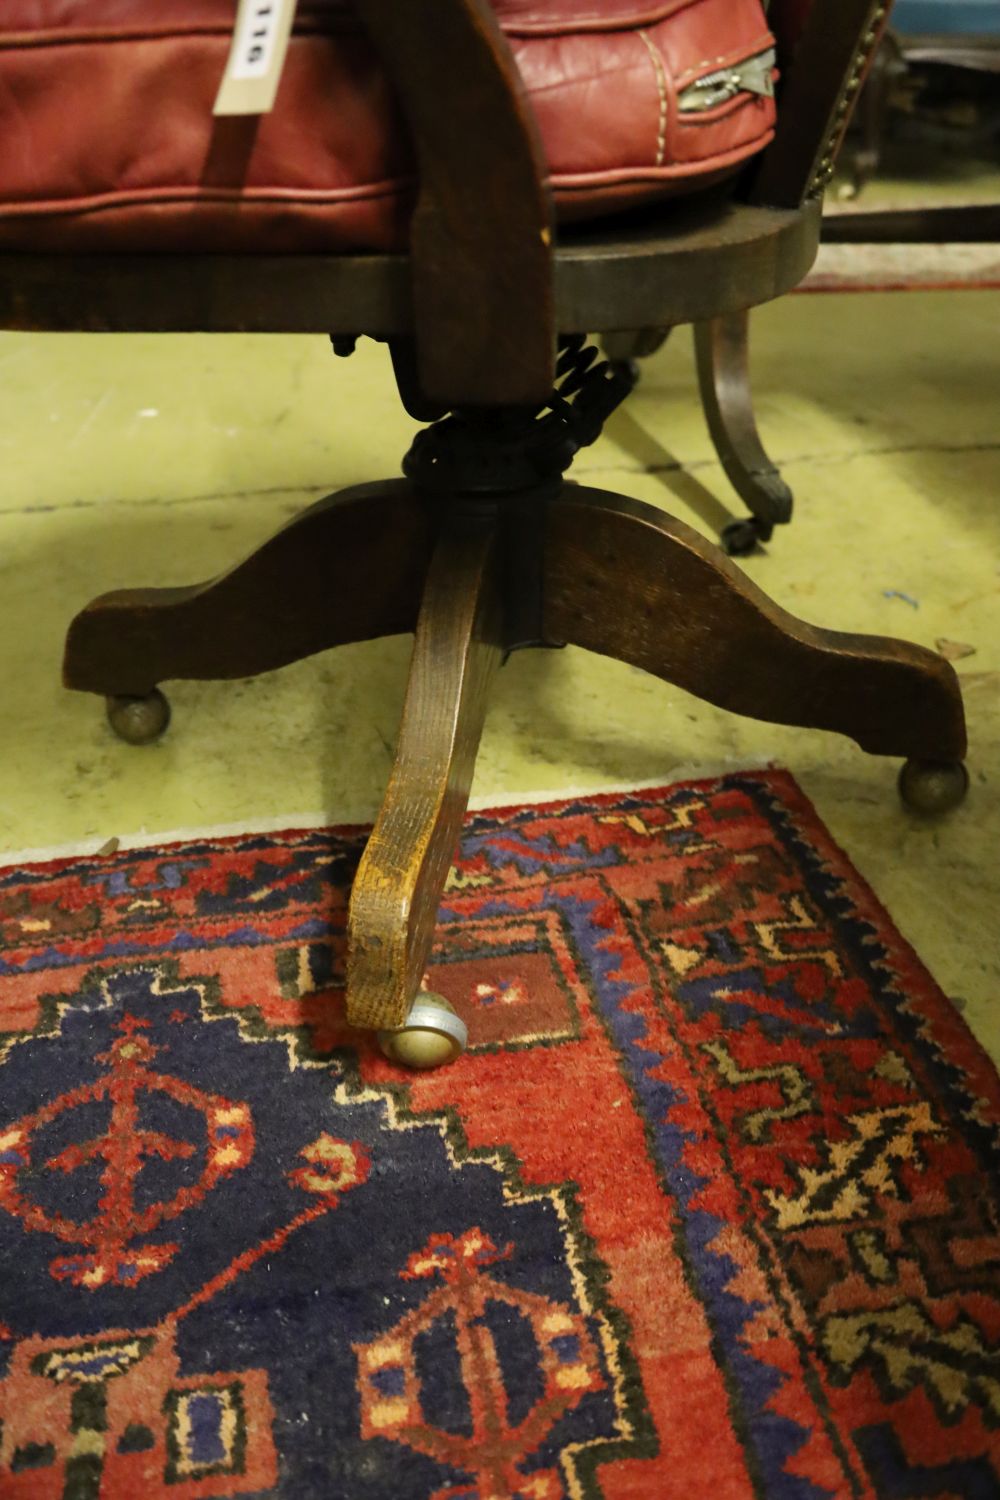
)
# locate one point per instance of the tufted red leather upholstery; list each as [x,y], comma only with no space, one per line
[109,141]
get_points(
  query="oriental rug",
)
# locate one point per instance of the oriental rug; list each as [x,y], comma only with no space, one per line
[904,268]
[708,1208]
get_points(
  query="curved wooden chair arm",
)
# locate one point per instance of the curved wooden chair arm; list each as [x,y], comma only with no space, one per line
[481,237]
[831,61]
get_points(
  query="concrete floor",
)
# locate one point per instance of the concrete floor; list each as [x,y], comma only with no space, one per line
[148,460]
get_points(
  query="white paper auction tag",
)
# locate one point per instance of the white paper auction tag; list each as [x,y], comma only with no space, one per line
[256,57]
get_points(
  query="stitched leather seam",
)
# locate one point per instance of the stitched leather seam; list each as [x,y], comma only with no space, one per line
[595,19]
[566,183]
[722,112]
[661,89]
[746,49]
[184,193]
[332,25]
[324,21]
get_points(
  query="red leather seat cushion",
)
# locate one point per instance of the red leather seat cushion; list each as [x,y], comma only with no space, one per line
[109,140]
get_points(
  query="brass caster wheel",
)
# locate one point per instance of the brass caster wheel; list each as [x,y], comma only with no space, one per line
[932,787]
[139,721]
[433,1035]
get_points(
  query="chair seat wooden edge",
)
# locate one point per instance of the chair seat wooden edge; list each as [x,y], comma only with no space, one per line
[729,261]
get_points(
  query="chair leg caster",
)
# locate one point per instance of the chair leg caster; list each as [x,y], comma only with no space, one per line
[432,1036]
[139,720]
[932,787]
[740,538]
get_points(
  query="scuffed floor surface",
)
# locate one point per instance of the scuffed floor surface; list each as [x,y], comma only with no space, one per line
[149,460]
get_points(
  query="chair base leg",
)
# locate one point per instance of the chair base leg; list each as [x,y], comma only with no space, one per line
[307,588]
[682,610]
[690,616]
[722,352]
[399,883]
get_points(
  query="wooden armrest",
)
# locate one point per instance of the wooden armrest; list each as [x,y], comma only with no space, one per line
[481,237]
[815,105]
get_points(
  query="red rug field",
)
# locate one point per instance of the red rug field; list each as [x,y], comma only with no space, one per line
[708,1209]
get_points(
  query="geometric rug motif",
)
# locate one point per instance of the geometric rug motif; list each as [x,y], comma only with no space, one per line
[710,1206]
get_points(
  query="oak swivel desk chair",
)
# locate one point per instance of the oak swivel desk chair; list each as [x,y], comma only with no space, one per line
[482,548]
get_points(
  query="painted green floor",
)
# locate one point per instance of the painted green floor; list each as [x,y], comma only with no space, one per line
[160,460]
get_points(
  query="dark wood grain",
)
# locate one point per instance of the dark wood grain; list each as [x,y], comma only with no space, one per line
[398,886]
[350,568]
[721,349]
[626,580]
[481,235]
[817,99]
[694,262]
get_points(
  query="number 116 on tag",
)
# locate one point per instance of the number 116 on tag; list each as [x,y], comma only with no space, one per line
[256,57]
[255,38]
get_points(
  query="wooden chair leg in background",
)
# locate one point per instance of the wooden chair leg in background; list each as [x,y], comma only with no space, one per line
[624,579]
[722,351]
[349,568]
[401,878]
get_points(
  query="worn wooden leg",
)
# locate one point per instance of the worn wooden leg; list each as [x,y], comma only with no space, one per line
[402,873]
[722,353]
[349,568]
[623,579]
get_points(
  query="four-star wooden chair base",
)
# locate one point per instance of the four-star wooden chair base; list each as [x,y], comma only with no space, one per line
[606,573]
